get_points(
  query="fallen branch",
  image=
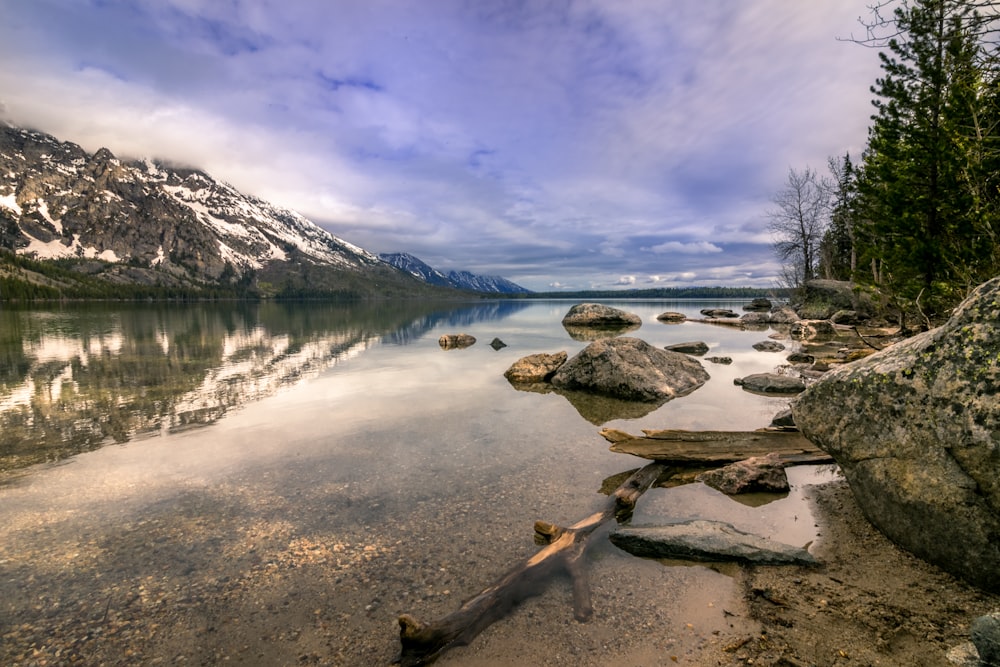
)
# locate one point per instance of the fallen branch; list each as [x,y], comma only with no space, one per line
[713,448]
[422,643]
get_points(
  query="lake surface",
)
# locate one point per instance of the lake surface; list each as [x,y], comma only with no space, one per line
[275,483]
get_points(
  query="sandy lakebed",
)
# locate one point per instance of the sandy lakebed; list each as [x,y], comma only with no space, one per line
[279,594]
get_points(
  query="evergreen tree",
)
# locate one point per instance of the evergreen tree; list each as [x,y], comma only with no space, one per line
[838,259]
[919,231]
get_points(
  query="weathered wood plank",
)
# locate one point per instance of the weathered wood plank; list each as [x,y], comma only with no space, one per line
[716,447]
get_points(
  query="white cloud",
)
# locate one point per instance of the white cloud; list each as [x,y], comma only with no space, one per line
[697,248]
[553,140]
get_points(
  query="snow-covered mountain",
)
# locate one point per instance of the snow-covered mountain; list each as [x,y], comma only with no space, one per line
[149,223]
[462,280]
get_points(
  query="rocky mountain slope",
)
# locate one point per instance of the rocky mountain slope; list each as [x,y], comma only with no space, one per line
[129,224]
[463,280]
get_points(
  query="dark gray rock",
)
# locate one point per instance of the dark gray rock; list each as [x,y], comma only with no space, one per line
[671,317]
[986,637]
[768,346]
[800,358]
[712,541]
[697,348]
[717,312]
[535,368]
[764,474]
[916,430]
[497,344]
[725,361]
[758,305]
[456,341]
[771,383]
[783,420]
[599,315]
[631,369]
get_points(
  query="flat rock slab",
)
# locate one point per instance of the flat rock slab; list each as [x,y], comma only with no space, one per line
[707,541]
[771,383]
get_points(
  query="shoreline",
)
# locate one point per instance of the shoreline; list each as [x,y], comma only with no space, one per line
[870,602]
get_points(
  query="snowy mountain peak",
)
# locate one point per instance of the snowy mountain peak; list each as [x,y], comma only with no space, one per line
[463,280]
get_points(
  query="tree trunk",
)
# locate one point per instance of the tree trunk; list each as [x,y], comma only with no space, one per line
[422,643]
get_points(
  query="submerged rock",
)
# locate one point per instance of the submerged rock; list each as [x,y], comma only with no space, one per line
[718,312]
[771,383]
[768,346]
[713,541]
[456,341]
[696,348]
[916,430]
[631,369]
[725,361]
[671,317]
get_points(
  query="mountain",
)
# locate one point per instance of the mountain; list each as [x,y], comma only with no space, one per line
[462,280]
[128,228]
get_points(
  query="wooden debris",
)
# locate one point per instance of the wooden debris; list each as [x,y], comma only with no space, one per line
[716,447]
[422,643]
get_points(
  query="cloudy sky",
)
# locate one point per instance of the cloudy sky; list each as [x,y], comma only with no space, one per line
[563,144]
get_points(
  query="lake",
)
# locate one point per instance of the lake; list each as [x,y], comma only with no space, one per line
[275,483]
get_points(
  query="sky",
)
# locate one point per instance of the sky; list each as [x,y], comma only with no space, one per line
[561,144]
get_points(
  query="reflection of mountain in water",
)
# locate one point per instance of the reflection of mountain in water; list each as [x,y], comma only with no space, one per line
[72,380]
[489,311]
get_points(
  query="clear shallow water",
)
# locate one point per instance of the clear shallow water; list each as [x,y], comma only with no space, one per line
[205,426]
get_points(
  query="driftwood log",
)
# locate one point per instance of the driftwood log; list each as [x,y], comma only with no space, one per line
[422,643]
[715,448]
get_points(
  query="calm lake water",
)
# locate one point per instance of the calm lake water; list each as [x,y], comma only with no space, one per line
[186,458]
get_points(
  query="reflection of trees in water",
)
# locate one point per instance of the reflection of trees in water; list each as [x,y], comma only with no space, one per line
[74,379]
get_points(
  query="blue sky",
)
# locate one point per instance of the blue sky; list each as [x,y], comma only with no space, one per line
[561,144]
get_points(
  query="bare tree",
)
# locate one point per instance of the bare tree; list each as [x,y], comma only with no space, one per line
[798,222]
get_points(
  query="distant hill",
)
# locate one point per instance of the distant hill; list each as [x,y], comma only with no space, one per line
[462,280]
[696,292]
[76,225]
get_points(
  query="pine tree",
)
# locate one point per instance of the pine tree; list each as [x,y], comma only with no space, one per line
[838,258]
[919,229]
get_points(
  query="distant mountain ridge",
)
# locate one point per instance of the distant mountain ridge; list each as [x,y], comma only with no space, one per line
[100,226]
[463,280]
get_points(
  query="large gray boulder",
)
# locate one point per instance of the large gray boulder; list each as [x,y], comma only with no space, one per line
[631,369]
[599,315]
[916,430]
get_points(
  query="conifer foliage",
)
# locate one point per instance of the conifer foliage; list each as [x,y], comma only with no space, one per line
[917,219]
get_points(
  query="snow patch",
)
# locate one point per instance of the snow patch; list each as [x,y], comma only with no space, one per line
[10,201]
